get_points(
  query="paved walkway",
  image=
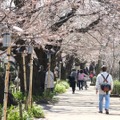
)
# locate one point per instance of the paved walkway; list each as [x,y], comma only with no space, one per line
[81,105]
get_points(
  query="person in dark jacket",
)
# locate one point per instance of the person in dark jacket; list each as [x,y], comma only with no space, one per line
[72,80]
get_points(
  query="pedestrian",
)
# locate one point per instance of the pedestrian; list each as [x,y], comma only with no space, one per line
[104,78]
[86,70]
[49,81]
[92,67]
[56,71]
[91,75]
[81,81]
[72,80]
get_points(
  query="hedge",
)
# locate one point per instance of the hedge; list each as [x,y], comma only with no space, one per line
[116,87]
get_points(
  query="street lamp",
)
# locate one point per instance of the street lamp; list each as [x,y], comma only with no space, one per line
[6,43]
[6,39]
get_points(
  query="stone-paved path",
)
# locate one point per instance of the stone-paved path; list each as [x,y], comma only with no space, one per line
[81,105]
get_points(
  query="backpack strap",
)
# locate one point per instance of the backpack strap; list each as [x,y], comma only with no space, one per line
[105,79]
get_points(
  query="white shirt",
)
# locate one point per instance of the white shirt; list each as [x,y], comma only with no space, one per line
[100,80]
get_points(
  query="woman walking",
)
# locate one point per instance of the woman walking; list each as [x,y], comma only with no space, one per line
[80,78]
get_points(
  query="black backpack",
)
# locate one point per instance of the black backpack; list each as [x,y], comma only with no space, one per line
[105,86]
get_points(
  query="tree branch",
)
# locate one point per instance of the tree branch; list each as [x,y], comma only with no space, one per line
[63,19]
[89,27]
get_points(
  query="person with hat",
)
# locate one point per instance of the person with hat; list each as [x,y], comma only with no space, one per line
[102,77]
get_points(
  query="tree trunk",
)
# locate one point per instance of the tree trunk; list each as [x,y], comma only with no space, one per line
[63,72]
[98,67]
[69,64]
[1,89]
[39,71]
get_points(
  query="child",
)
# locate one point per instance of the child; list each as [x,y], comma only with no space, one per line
[91,76]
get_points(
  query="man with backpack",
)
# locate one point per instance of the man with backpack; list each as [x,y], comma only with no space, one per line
[104,85]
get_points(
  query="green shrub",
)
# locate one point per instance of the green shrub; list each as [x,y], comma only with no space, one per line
[116,87]
[13,113]
[18,95]
[48,95]
[26,116]
[65,83]
[37,97]
[36,112]
[45,97]
[60,88]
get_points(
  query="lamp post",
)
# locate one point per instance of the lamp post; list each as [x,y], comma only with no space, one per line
[6,43]
[119,70]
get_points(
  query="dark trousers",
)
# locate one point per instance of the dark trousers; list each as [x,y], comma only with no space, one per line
[91,79]
[73,84]
[80,84]
[85,84]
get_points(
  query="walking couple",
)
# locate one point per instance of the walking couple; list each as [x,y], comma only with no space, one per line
[77,77]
